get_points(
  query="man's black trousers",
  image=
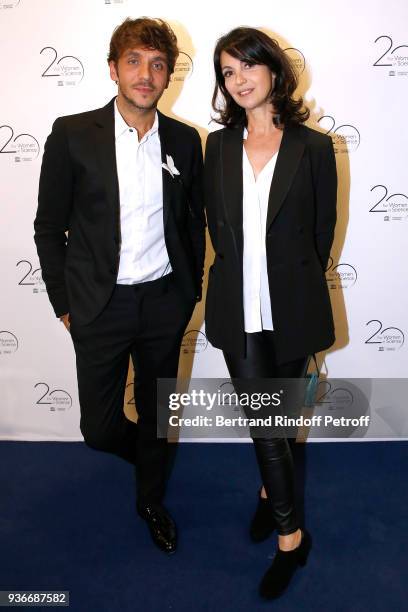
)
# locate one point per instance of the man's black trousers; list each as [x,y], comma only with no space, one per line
[145,321]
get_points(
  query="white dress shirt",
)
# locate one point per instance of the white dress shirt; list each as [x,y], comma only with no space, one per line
[257,301]
[143,252]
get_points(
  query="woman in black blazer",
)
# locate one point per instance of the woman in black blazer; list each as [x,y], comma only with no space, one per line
[270,191]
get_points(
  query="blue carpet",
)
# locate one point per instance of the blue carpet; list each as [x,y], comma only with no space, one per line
[68,522]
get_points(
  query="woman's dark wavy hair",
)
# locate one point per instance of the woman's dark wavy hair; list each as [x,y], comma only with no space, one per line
[253,46]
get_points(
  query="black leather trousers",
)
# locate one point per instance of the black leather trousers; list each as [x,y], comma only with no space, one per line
[274,456]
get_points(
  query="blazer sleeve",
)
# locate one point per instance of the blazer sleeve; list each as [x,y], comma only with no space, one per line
[196,219]
[325,200]
[210,196]
[52,219]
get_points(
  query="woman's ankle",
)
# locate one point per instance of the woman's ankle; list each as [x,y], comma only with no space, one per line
[290,541]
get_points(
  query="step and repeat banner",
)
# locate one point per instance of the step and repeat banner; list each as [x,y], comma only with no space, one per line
[353,67]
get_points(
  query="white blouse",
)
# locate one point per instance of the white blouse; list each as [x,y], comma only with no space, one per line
[257,302]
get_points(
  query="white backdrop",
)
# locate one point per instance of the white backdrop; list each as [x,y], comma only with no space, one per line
[353,62]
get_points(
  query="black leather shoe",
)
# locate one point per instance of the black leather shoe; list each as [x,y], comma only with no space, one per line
[284,565]
[162,527]
[263,523]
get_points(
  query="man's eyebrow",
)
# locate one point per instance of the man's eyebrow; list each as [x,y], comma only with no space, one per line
[162,57]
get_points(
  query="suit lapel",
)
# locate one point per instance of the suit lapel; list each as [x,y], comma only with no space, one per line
[167,145]
[289,156]
[105,152]
[231,155]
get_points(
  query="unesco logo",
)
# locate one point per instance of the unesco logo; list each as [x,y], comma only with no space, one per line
[395,59]
[341,275]
[194,341]
[8,4]
[387,339]
[8,343]
[30,277]
[24,147]
[68,70]
[57,400]
[114,1]
[346,137]
[394,207]
[297,58]
[183,69]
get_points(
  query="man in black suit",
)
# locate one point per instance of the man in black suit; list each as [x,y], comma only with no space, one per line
[120,236]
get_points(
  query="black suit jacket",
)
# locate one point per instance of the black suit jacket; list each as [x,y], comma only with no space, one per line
[77,227]
[300,227]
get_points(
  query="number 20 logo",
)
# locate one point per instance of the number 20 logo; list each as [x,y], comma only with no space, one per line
[377,63]
[20,143]
[32,277]
[59,68]
[374,208]
[394,336]
[60,396]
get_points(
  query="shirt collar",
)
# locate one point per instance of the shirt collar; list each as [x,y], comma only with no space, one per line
[121,127]
[245,134]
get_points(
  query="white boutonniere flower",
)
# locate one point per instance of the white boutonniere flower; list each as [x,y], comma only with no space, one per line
[170,167]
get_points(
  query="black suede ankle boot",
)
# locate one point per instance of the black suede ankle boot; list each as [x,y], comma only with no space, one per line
[284,565]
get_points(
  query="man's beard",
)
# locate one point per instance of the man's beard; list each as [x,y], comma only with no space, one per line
[132,103]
